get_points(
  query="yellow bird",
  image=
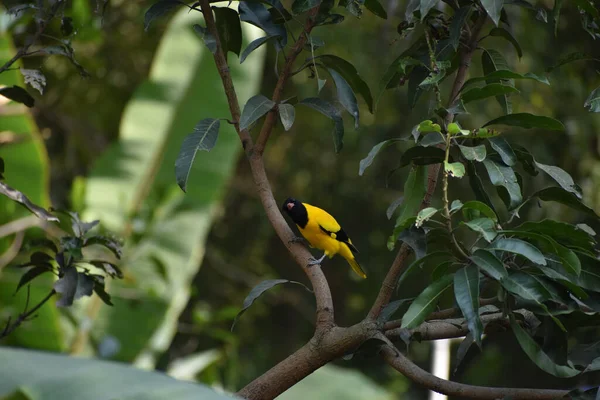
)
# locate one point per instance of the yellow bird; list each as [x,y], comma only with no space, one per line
[323,232]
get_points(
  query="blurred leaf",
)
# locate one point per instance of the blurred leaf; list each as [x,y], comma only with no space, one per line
[255,108]
[526,159]
[67,287]
[485,226]
[19,197]
[203,138]
[501,175]
[327,109]
[389,310]
[376,8]
[34,78]
[393,206]
[493,8]
[209,40]
[257,291]
[396,69]
[300,6]
[466,293]
[429,261]
[256,13]
[368,160]
[255,44]
[503,74]
[489,263]
[424,215]
[592,103]
[502,147]
[503,33]
[432,139]
[287,114]
[416,238]
[345,95]
[562,178]
[535,353]
[458,21]
[476,153]
[569,58]
[350,75]
[73,378]
[111,244]
[31,275]
[419,155]
[18,94]
[425,302]
[519,247]
[159,9]
[230,31]
[425,6]
[85,286]
[493,89]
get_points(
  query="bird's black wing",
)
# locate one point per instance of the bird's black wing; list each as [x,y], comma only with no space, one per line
[341,236]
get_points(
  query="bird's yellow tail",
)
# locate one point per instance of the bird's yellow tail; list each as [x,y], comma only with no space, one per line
[356,267]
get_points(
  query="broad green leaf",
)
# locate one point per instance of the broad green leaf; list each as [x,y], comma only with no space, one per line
[477,186]
[493,89]
[503,74]
[368,160]
[203,138]
[390,309]
[55,376]
[477,153]
[455,129]
[209,40]
[491,61]
[504,176]
[503,33]
[519,247]
[255,44]
[455,170]
[567,198]
[493,9]
[350,74]
[425,6]
[428,261]
[466,293]
[570,282]
[345,95]
[455,206]
[489,263]
[414,191]
[592,103]
[569,58]
[230,31]
[458,21]
[535,353]
[300,6]
[564,233]
[416,238]
[480,207]
[397,69]
[256,107]
[424,215]
[428,126]
[376,8]
[287,114]
[327,109]
[17,94]
[259,290]
[255,13]
[562,178]
[502,147]
[159,9]
[33,273]
[432,139]
[420,155]
[485,226]
[526,159]
[425,302]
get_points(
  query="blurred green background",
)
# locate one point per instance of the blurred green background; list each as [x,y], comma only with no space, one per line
[190,259]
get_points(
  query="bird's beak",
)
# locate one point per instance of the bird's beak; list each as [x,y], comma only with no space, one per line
[289,206]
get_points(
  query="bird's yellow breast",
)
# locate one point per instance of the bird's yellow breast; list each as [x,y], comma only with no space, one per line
[317,238]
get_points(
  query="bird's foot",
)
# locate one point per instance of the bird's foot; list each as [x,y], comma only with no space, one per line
[316,262]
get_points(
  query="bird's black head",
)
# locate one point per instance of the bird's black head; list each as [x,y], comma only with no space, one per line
[296,211]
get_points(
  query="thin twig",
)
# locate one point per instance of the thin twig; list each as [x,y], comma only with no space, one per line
[25,315]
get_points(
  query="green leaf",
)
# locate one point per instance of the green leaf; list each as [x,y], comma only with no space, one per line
[592,103]
[287,114]
[209,40]
[368,160]
[414,191]
[458,21]
[489,263]
[159,9]
[455,170]
[562,232]
[505,177]
[503,33]
[203,138]
[255,44]
[562,178]
[257,291]
[502,147]
[230,31]
[455,129]
[425,302]
[345,95]
[493,89]
[477,153]
[111,244]
[397,69]
[485,226]
[420,155]
[44,375]
[426,262]
[424,215]
[416,239]
[256,13]
[562,196]
[390,309]
[569,58]
[428,126]
[503,74]
[350,75]
[376,8]
[491,61]
[425,6]
[477,186]
[493,9]
[466,293]
[526,159]
[67,287]
[432,139]
[480,207]
[535,353]
[18,94]
[32,274]
[256,107]
[327,109]
[519,247]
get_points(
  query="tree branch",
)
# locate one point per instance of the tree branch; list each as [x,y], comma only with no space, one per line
[25,315]
[407,368]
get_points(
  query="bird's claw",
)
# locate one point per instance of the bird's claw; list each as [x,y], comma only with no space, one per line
[313,261]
